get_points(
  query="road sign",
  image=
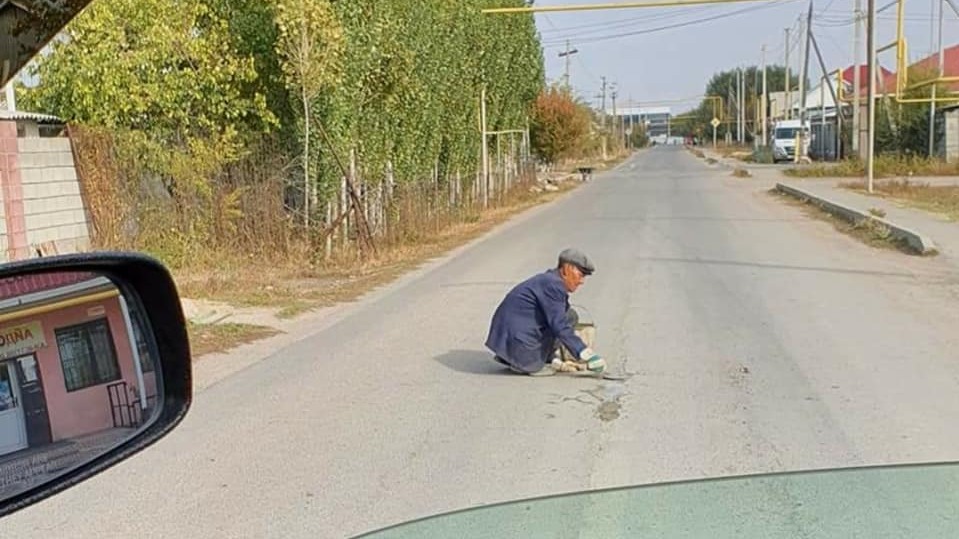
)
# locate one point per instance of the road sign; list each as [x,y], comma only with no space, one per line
[715,122]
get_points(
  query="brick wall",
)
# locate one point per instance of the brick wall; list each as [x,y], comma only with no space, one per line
[11,189]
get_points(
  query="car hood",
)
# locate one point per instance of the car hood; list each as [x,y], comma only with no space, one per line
[875,502]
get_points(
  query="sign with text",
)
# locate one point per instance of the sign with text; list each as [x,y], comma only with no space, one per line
[20,339]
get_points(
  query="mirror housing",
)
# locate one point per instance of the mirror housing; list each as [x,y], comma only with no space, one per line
[149,283]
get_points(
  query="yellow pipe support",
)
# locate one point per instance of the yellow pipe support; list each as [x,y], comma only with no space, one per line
[72,302]
[612,5]
[928,100]
[900,49]
[718,98]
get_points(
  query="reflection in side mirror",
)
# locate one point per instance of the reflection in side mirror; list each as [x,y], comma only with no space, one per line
[78,374]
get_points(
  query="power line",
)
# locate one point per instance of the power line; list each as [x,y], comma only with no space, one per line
[593,28]
[551,43]
[672,13]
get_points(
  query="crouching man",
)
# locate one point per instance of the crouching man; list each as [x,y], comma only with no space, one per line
[535,319]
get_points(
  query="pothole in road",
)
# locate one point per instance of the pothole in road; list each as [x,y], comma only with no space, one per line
[608,410]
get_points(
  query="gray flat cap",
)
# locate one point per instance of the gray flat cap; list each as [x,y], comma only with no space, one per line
[578,259]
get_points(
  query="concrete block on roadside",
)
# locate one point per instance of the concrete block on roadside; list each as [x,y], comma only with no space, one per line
[916,241]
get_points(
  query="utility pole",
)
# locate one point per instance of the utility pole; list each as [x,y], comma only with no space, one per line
[832,92]
[603,97]
[856,83]
[567,54]
[765,98]
[871,94]
[603,116]
[801,70]
[12,96]
[932,106]
[807,28]
[739,105]
[613,96]
[788,84]
[742,106]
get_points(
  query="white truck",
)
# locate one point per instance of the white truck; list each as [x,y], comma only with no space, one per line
[785,135]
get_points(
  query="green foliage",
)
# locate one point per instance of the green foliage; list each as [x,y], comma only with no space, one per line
[189,89]
[309,44]
[763,155]
[902,129]
[413,74]
[166,68]
[723,84]
[638,138]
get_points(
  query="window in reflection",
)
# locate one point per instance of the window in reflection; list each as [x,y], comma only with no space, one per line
[76,375]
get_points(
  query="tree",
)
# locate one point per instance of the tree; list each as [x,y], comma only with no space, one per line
[903,128]
[310,44]
[164,69]
[560,125]
[723,84]
[161,66]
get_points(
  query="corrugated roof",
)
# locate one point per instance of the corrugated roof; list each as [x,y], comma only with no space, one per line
[37,282]
[931,64]
[35,116]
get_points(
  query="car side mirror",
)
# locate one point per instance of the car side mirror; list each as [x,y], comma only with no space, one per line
[94,367]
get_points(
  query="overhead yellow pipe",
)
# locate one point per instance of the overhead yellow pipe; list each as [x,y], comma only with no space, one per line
[50,307]
[610,5]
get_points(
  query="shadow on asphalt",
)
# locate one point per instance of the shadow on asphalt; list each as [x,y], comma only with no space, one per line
[472,362]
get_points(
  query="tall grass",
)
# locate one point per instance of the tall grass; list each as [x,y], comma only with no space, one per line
[885,166]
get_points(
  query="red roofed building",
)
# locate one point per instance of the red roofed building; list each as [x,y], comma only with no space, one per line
[950,67]
[27,284]
[886,82]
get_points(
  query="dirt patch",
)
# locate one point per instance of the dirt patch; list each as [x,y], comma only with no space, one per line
[210,338]
[740,172]
[939,199]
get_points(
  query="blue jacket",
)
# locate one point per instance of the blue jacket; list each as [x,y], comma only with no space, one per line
[530,320]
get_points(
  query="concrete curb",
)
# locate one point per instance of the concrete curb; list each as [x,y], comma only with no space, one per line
[917,242]
[721,162]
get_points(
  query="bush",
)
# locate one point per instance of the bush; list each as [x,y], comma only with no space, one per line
[763,155]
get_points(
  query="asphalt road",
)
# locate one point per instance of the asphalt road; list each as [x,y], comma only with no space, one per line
[761,340]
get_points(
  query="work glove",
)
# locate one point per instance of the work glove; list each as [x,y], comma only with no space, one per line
[594,363]
[567,366]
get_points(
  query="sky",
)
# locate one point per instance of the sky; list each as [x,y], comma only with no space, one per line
[658,67]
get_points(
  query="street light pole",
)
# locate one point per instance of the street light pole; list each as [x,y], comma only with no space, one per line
[932,106]
[765,99]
